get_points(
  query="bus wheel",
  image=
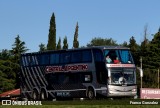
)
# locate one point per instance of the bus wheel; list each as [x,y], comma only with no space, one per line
[35,95]
[43,95]
[91,94]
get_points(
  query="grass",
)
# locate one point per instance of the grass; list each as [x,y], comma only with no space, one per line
[104,103]
[101,102]
[85,106]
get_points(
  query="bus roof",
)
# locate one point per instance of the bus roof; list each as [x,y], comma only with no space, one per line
[91,47]
[109,47]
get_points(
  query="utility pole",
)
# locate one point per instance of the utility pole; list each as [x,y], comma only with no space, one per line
[141,62]
[158,78]
[141,71]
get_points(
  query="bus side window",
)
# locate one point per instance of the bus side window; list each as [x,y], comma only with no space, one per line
[86,56]
[65,57]
[32,61]
[54,58]
[52,79]
[98,55]
[76,57]
[27,60]
[23,61]
[44,59]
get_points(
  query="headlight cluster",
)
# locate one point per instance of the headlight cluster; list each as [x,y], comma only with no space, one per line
[134,90]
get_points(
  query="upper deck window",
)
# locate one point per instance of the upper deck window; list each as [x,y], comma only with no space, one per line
[54,58]
[76,57]
[65,57]
[123,55]
[98,55]
[29,60]
[86,56]
[44,59]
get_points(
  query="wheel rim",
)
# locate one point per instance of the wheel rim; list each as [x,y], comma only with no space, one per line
[90,94]
[42,96]
[34,95]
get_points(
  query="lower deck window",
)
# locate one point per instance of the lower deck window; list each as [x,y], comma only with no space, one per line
[69,78]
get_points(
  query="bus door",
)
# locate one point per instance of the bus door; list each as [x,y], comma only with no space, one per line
[101,72]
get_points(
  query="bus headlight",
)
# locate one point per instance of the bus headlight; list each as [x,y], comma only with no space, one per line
[134,90]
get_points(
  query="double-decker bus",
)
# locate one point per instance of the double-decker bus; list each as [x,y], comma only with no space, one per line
[78,73]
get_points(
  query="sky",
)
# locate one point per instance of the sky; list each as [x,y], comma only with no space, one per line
[116,19]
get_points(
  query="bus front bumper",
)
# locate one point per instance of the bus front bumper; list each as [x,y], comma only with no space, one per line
[122,91]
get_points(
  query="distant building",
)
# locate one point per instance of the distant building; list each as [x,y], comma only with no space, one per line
[12,94]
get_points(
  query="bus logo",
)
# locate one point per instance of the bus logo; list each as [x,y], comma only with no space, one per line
[50,69]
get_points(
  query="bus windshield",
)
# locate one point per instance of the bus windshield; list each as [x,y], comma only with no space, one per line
[122,76]
[122,55]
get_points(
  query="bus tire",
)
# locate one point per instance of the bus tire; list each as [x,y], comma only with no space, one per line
[35,95]
[90,94]
[43,95]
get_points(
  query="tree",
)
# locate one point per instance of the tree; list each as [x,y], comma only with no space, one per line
[75,41]
[135,50]
[52,34]
[18,48]
[8,71]
[145,40]
[124,44]
[101,42]
[5,54]
[144,47]
[65,43]
[59,44]
[132,44]
[150,51]
[153,52]
[42,47]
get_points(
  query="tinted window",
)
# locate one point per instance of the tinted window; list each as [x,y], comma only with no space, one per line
[32,61]
[65,57]
[76,57]
[123,55]
[23,61]
[54,58]
[98,55]
[112,54]
[28,60]
[86,56]
[44,59]
[70,78]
